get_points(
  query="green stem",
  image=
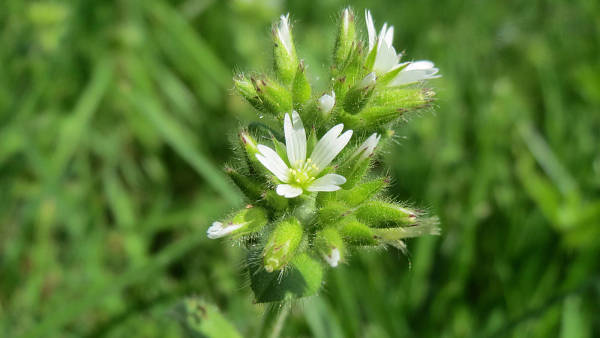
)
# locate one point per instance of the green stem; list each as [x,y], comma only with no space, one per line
[281,317]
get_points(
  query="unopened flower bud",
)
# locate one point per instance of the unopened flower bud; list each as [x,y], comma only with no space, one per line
[326,102]
[282,244]
[275,98]
[356,232]
[330,245]
[346,38]
[368,80]
[251,188]
[286,61]
[245,87]
[301,90]
[382,214]
[244,222]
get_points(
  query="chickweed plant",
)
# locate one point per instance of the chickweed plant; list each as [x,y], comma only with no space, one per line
[306,168]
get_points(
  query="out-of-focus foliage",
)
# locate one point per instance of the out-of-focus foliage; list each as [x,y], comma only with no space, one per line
[114,122]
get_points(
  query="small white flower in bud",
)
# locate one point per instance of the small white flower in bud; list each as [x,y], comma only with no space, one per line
[333,258]
[326,102]
[366,149]
[369,80]
[283,32]
[217,230]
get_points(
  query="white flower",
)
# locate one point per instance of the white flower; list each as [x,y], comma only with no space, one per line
[326,102]
[387,60]
[283,32]
[302,173]
[217,230]
[366,149]
[333,258]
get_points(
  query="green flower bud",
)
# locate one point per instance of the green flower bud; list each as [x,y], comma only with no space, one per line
[358,97]
[301,89]
[251,188]
[275,98]
[363,192]
[383,214]
[355,167]
[387,105]
[245,87]
[284,52]
[282,244]
[331,212]
[346,38]
[330,245]
[356,232]
[275,201]
[250,148]
[244,222]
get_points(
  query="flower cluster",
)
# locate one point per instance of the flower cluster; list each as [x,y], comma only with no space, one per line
[312,197]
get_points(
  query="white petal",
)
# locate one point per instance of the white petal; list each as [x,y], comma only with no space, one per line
[329,146]
[421,64]
[370,29]
[295,139]
[366,149]
[411,76]
[333,258]
[269,158]
[369,80]
[388,36]
[283,32]
[217,230]
[326,102]
[386,58]
[288,191]
[329,182]
[345,20]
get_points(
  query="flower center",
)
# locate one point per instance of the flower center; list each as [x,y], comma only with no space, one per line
[301,176]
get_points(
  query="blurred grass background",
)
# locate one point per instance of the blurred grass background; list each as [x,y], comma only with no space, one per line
[115,121]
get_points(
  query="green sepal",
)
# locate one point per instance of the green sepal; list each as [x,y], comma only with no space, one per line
[202,319]
[363,191]
[355,232]
[246,89]
[353,168]
[282,244]
[386,78]
[251,188]
[275,201]
[330,212]
[252,219]
[327,240]
[251,149]
[357,98]
[301,90]
[276,99]
[347,74]
[394,234]
[346,38]
[303,278]
[382,214]
[280,149]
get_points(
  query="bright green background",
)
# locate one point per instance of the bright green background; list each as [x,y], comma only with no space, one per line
[115,121]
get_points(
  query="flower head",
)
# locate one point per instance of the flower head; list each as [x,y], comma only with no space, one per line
[386,59]
[366,149]
[218,230]
[326,102]
[302,173]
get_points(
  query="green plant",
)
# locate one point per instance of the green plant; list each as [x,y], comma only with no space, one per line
[312,196]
